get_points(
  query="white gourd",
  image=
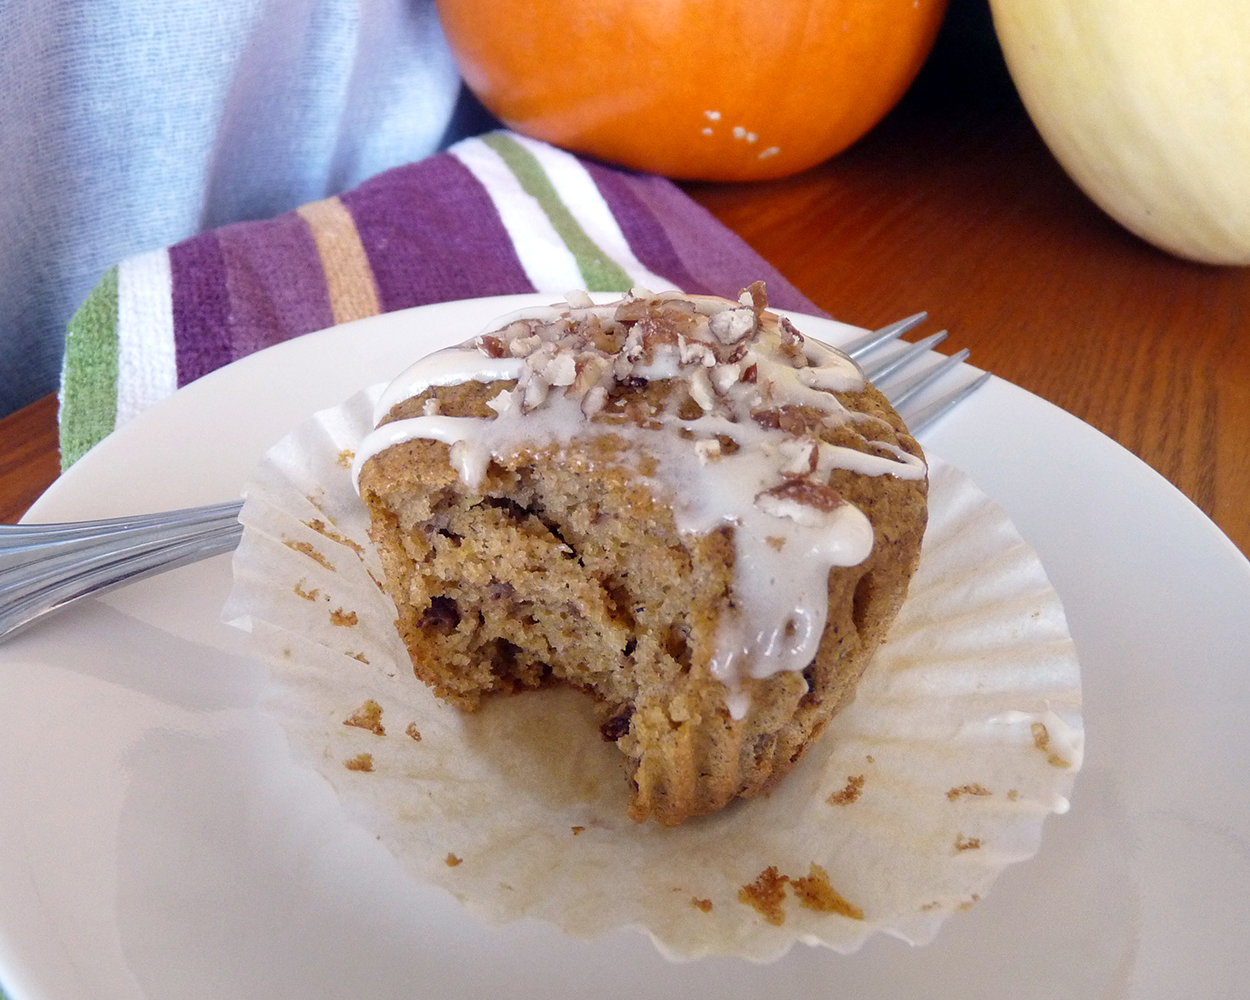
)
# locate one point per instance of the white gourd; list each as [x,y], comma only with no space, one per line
[1146,104]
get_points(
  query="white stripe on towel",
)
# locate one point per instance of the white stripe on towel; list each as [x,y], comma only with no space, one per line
[580,195]
[147,363]
[548,263]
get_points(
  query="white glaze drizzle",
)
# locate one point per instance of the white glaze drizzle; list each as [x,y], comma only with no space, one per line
[787,536]
[447,367]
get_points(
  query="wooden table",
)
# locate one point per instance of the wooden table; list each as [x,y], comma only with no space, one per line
[954,205]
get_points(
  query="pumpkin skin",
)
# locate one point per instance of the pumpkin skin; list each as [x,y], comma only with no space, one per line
[692,89]
[1146,104]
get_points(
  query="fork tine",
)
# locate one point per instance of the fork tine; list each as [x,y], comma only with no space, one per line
[923,417]
[904,392]
[860,347]
[883,369]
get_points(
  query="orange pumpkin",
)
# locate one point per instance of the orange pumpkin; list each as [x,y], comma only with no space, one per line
[696,89]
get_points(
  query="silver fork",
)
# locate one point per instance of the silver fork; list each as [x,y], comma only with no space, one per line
[45,567]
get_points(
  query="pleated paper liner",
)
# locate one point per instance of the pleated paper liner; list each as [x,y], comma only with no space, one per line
[965,734]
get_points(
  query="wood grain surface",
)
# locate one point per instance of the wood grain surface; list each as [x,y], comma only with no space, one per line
[954,205]
[29,459]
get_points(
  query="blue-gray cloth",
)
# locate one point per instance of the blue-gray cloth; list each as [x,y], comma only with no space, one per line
[127,125]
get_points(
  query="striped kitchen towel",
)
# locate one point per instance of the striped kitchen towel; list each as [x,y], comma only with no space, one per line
[493,215]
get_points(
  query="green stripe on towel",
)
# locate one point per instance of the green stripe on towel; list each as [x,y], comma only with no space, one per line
[89,391]
[601,272]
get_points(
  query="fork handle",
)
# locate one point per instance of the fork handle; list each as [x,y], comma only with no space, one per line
[44,569]
[13,536]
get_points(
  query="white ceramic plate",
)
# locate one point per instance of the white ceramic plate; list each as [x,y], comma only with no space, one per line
[156,841]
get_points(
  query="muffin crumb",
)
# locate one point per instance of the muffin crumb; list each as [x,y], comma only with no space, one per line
[972,789]
[308,595]
[815,893]
[309,551]
[766,895]
[361,762]
[367,716]
[854,787]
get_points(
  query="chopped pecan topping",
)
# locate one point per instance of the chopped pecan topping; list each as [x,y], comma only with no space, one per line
[609,341]
[824,498]
[732,325]
[724,376]
[758,296]
[659,329]
[701,390]
[523,347]
[492,346]
[631,310]
[796,420]
[791,345]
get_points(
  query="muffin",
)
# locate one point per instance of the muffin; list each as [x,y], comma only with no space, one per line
[677,504]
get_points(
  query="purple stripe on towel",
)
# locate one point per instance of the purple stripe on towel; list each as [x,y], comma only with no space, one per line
[673,235]
[432,235]
[201,308]
[275,282]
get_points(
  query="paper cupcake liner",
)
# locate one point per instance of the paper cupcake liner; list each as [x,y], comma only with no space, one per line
[964,735]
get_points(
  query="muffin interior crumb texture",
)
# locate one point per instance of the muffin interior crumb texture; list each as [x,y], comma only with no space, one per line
[566,557]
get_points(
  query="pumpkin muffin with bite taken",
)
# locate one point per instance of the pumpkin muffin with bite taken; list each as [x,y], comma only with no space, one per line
[677,504]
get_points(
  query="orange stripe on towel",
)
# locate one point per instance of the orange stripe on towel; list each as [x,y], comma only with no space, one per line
[349,279]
